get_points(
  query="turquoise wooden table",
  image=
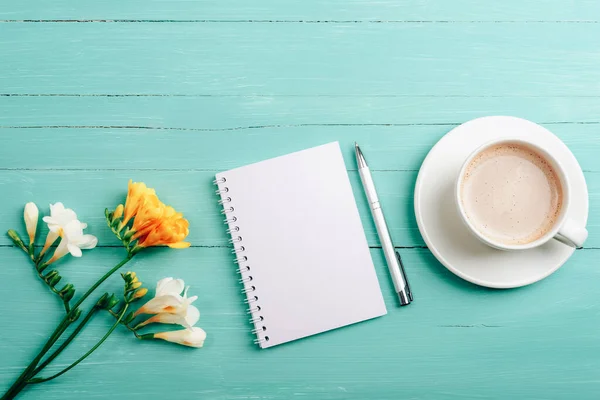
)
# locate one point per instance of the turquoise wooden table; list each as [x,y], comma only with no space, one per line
[169,92]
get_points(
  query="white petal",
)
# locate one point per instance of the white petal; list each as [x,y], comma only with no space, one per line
[88,242]
[160,284]
[168,303]
[169,286]
[51,238]
[74,250]
[60,251]
[188,337]
[193,315]
[73,231]
[56,208]
[192,299]
[31,214]
[166,318]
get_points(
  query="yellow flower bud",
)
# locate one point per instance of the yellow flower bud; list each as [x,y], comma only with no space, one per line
[118,212]
[140,293]
[135,285]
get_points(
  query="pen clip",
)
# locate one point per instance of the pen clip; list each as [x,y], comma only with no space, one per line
[407,287]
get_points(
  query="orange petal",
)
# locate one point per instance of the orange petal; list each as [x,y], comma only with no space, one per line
[180,245]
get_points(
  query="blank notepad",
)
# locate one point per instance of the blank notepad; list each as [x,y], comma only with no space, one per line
[300,246]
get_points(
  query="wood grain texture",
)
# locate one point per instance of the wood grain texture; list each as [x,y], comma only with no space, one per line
[304,10]
[172,91]
[457,338]
[90,192]
[352,59]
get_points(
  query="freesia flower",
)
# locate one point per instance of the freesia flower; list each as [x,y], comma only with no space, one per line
[31,215]
[154,223]
[193,337]
[138,195]
[73,240]
[58,219]
[169,306]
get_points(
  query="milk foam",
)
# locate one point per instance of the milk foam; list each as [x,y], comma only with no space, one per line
[511,194]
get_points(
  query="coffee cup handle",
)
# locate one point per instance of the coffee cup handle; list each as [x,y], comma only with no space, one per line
[572,234]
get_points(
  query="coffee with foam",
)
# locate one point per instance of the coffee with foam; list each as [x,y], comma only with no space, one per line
[511,194]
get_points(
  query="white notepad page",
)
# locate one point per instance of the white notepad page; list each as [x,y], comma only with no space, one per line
[295,224]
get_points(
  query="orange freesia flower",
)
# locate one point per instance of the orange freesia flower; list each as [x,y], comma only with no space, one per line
[154,223]
[138,194]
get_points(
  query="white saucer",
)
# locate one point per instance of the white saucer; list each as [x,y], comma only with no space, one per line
[446,236]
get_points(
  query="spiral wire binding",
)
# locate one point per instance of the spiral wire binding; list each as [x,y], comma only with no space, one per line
[243,269]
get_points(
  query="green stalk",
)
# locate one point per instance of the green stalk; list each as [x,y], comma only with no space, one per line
[21,381]
[78,329]
[27,374]
[101,280]
[90,351]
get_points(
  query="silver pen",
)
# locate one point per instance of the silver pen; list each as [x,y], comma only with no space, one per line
[392,257]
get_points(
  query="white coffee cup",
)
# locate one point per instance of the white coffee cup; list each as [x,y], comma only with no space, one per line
[564,229]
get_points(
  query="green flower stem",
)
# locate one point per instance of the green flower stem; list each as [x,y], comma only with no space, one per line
[79,327]
[21,382]
[101,280]
[114,314]
[70,317]
[55,291]
[90,351]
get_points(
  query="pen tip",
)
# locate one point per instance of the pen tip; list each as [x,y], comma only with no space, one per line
[355,145]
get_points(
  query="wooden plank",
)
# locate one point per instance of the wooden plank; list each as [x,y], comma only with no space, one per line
[387,147]
[236,112]
[305,10]
[191,192]
[353,59]
[450,321]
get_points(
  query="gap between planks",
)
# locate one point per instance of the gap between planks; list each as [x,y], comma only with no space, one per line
[200,246]
[294,21]
[258,95]
[268,126]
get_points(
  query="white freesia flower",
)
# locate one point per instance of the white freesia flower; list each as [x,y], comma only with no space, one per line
[193,337]
[58,219]
[31,215]
[169,306]
[73,240]
[169,286]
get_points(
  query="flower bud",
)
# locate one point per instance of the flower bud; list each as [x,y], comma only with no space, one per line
[128,318]
[112,302]
[129,276]
[14,236]
[188,337]
[50,275]
[118,213]
[135,285]
[67,292]
[102,301]
[31,215]
[140,293]
[54,280]
[76,315]
[128,234]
